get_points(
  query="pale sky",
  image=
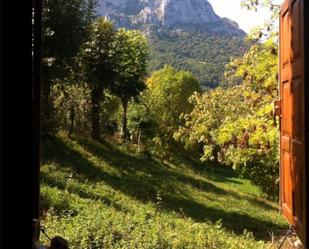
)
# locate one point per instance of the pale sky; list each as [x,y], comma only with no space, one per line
[246,19]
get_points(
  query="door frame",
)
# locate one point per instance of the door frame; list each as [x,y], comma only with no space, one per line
[306,112]
[36,119]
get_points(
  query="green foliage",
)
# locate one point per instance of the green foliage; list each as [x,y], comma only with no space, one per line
[139,116]
[114,60]
[234,126]
[165,97]
[110,63]
[97,195]
[140,123]
[204,54]
[110,108]
[98,54]
[72,99]
[64,22]
[64,29]
[132,55]
[99,61]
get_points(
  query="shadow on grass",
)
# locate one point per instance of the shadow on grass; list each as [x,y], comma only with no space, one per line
[209,169]
[233,221]
[144,178]
[54,182]
[223,174]
[133,165]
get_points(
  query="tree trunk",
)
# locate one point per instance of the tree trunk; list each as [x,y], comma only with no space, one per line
[124,120]
[72,119]
[95,112]
[139,140]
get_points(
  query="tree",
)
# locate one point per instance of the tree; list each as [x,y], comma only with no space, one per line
[131,64]
[234,126]
[72,106]
[210,111]
[65,28]
[98,55]
[166,97]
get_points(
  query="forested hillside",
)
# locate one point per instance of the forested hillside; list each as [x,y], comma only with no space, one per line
[205,54]
[186,34]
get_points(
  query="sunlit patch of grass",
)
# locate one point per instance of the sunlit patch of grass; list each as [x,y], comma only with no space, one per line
[98,195]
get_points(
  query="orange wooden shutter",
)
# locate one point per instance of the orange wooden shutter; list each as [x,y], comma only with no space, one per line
[292,132]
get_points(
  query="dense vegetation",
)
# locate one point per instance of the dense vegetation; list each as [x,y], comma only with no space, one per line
[164,98]
[205,54]
[235,126]
[137,161]
[66,23]
[98,195]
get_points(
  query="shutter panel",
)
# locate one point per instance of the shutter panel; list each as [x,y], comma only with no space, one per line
[292,132]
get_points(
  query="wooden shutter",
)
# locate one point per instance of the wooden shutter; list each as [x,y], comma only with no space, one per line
[292,132]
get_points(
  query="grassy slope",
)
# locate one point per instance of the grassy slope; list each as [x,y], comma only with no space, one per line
[99,196]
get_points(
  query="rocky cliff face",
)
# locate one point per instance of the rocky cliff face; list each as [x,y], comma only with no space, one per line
[193,14]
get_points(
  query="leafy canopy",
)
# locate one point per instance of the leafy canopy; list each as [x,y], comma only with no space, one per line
[234,126]
[166,98]
[131,63]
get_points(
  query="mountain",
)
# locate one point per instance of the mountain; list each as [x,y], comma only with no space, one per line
[202,53]
[195,14]
[187,34]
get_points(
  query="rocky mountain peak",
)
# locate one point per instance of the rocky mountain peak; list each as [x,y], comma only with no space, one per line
[195,14]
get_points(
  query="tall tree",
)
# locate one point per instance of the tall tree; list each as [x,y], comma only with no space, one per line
[65,27]
[131,66]
[98,55]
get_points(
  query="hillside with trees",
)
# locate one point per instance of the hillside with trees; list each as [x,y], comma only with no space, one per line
[187,35]
[205,54]
[137,159]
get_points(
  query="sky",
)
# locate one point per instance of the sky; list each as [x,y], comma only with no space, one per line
[245,19]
